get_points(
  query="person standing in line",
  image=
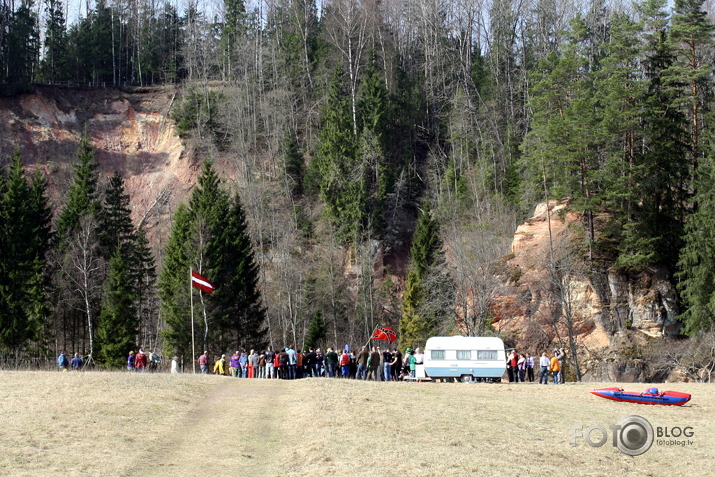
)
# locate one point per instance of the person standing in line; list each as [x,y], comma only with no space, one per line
[130,361]
[255,361]
[277,364]
[292,361]
[345,365]
[310,361]
[220,365]
[76,363]
[299,362]
[283,363]
[243,360]
[269,363]
[234,364]
[419,356]
[331,361]
[396,364]
[373,365]
[204,362]
[545,364]
[362,357]
[62,361]
[530,368]
[561,356]
[319,363]
[509,372]
[388,360]
[262,366]
[411,362]
[555,368]
[521,364]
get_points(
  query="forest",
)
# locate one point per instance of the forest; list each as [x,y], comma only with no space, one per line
[413,133]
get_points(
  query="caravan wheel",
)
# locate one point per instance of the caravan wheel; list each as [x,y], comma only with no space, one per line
[466,378]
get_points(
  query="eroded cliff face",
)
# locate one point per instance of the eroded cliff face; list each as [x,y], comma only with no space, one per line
[129,129]
[612,312]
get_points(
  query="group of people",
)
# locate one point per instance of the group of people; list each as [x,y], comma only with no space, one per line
[141,361]
[64,363]
[520,367]
[289,363]
[368,364]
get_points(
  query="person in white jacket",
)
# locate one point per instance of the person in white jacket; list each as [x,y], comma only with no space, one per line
[545,364]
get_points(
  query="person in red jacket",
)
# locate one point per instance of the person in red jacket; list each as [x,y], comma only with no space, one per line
[140,361]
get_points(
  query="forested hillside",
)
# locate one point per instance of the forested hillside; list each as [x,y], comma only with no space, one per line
[383,153]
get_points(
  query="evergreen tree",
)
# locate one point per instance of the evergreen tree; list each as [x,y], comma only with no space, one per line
[416,325]
[83,197]
[317,331]
[691,37]
[340,179]
[697,257]
[24,243]
[116,325]
[293,166]
[236,304]
[174,284]
[23,45]
[210,236]
[54,61]
[116,231]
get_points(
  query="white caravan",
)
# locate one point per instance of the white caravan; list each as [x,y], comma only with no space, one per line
[467,358]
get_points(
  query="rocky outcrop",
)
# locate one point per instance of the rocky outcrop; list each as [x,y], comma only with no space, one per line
[603,302]
[129,129]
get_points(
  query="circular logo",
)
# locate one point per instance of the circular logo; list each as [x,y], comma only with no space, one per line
[635,435]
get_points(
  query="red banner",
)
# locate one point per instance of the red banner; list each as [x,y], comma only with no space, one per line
[197,281]
[384,334]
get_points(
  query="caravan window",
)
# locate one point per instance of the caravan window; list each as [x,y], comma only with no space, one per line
[487,354]
[437,354]
[466,355]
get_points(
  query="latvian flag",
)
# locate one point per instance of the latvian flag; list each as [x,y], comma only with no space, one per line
[197,281]
[384,334]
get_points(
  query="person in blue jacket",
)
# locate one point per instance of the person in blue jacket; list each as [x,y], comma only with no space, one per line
[76,363]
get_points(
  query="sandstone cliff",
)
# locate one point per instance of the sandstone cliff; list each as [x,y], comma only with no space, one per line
[130,130]
[615,315]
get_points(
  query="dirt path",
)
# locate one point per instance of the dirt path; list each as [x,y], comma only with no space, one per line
[236,430]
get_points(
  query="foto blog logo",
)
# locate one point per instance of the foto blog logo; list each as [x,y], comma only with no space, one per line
[633,435]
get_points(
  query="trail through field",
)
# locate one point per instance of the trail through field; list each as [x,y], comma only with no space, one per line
[236,430]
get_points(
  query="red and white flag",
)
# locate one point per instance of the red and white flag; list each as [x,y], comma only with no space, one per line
[384,334]
[197,281]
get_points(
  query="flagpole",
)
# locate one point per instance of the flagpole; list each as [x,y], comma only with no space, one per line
[193,345]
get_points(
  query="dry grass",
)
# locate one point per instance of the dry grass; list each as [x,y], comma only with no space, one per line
[127,424]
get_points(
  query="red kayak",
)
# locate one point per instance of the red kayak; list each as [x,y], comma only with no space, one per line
[650,396]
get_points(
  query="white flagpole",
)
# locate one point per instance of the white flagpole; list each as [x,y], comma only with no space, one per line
[193,345]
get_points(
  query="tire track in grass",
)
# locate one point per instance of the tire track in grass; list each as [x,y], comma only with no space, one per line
[236,430]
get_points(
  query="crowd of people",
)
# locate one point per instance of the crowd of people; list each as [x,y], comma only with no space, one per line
[520,367]
[368,364]
[290,363]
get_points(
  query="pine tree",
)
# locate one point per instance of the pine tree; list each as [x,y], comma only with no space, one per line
[24,243]
[236,304]
[54,61]
[174,284]
[23,45]
[416,325]
[210,236]
[697,257]
[341,182]
[83,197]
[691,36]
[116,230]
[117,322]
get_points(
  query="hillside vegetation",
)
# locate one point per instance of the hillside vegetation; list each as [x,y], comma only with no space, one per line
[360,164]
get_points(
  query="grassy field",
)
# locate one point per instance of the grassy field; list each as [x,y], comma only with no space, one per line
[121,424]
